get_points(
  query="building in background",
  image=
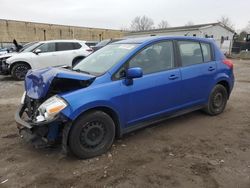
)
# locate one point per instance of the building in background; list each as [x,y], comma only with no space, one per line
[25,32]
[222,34]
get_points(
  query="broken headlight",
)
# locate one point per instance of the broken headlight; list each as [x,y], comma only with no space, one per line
[50,108]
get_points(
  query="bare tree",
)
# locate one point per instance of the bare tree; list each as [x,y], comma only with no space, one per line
[226,21]
[163,24]
[242,36]
[142,23]
[189,23]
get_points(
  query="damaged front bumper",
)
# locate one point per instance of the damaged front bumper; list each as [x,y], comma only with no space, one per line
[41,134]
[4,67]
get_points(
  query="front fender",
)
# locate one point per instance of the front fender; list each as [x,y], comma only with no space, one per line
[12,62]
[74,112]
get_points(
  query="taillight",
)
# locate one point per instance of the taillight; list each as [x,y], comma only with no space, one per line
[89,50]
[228,62]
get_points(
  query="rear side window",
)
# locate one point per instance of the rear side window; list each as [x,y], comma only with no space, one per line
[190,52]
[64,46]
[206,50]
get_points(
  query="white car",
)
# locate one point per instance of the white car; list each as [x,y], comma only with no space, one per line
[45,54]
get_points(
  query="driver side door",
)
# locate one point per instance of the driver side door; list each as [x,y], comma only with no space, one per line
[158,92]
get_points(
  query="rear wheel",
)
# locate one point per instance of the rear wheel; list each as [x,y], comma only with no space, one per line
[19,71]
[217,100]
[91,135]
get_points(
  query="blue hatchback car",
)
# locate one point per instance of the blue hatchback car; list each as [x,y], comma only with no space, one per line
[122,87]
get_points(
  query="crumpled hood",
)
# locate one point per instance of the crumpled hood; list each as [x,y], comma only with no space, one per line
[37,82]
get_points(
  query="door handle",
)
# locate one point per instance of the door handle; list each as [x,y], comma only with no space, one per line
[173,77]
[211,68]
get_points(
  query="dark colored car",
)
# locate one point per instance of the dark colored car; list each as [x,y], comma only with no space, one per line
[122,87]
[104,43]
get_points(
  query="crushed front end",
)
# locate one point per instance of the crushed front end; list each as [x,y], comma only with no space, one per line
[39,118]
[4,67]
[36,126]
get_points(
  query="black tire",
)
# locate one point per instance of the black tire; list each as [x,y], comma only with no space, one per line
[76,61]
[19,70]
[217,100]
[91,135]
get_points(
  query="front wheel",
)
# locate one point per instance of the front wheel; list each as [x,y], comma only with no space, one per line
[91,135]
[19,71]
[217,100]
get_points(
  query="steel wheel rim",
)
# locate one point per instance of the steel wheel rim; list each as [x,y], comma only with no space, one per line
[92,135]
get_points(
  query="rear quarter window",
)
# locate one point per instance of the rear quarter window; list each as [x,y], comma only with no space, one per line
[206,50]
[77,46]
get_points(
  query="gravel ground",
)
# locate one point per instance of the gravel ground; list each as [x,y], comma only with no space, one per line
[193,150]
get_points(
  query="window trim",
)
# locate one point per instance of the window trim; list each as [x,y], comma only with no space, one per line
[151,44]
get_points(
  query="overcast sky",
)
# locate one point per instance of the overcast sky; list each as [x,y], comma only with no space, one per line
[117,14]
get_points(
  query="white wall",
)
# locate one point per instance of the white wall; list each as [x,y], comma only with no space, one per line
[217,31]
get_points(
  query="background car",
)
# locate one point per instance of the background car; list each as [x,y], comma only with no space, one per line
[44,54]
[3,66]
[104,43]
[3,51]
[91,43]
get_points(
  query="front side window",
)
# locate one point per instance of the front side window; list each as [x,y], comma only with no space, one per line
[190,52]
[47,47]
[155,58]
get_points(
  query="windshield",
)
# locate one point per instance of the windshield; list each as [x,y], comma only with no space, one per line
[32,47]
[101,61]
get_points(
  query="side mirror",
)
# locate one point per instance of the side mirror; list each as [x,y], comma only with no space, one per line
[37,51]
[132,73]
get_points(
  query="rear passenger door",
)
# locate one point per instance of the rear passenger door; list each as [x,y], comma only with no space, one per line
[66,52]
[197,70]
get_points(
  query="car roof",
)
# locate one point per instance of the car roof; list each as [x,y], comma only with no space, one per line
[141,40]
[73,40]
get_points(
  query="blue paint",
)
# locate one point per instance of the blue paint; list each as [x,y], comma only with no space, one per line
[148,96]
[37,82]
